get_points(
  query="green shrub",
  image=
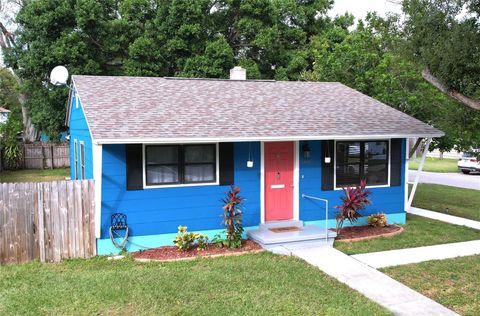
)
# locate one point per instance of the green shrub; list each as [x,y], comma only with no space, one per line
[377,220]
[186,240]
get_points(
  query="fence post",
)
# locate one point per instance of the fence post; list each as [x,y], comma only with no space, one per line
[51,153]
[24,154]
[41,223]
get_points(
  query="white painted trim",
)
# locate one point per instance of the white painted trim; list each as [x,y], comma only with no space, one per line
[97,177]
[160,186]
[368,186]
[84,114]
[262,182]
[419,171]
[76,101]
[407,159]
[296,180]
[191,140]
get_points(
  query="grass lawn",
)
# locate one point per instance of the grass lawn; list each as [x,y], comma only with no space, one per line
[435,164]
[255,284]
[34,175]
[460,202]
[419,231]
[454,283]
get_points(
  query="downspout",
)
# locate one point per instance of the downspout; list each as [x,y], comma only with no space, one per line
[417,176]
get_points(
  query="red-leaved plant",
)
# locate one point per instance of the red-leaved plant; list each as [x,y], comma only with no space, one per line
[355,200]
[232,218]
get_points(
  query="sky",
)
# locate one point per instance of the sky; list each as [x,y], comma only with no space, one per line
[360,8]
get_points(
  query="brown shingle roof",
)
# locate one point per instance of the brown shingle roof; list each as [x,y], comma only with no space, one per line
[131,109]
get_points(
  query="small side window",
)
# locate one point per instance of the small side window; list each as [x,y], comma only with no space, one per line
[82,159]
[75,159]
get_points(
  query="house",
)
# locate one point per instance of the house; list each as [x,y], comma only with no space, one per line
[4,115]
[164,151]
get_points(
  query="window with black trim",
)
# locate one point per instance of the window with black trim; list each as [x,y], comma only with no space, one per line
[357,160]
[180,164]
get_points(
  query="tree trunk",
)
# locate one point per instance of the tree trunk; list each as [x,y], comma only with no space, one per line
[474,104]
[30,133]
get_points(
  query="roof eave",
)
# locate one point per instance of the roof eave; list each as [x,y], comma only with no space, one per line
[172,140]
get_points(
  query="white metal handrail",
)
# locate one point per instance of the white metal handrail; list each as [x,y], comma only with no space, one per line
[326,211]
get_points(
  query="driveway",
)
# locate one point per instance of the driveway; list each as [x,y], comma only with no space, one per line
[468,181]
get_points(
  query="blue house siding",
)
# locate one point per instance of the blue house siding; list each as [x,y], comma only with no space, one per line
[153,215]
[79,131]
[389,200]
[162,210]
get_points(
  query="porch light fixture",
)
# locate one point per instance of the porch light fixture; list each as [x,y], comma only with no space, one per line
[250,160]
[306,151]
[328,159]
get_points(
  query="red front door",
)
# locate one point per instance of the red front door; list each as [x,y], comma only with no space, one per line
[278,180]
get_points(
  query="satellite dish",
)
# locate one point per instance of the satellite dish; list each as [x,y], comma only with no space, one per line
[59,76]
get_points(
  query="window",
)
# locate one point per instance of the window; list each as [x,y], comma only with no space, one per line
[75,158]
[356,160]
[82,159]
[180,164]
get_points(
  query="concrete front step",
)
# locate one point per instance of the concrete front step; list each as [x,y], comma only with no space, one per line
[285,242]
[280,224]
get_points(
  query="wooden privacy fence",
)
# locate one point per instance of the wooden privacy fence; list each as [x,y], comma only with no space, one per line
[46,155]
[48,221]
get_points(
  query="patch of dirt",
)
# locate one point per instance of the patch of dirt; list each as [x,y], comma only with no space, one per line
[171,253]
[357,233]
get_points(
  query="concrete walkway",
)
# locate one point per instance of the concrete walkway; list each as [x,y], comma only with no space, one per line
[397,257]
[391,294]
[466,181]
[445,218]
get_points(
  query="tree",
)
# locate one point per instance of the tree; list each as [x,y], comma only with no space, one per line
[370,59]
[9,131]
[447,45]
[85,35]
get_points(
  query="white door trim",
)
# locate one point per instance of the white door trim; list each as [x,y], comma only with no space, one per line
[296,180]
[262,182]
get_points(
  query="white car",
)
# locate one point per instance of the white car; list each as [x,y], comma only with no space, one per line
[468,163]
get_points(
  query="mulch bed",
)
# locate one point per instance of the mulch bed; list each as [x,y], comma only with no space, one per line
[357,233]
[171,253]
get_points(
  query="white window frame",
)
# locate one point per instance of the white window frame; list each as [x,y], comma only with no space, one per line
[75,159]
[82,160]
[157,186]
[360,140]
[76,101]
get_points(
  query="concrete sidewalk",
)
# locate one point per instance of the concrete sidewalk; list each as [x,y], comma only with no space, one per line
[391,294]
[397,257]
[445,218]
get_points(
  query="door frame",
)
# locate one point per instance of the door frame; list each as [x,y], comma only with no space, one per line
[296,181]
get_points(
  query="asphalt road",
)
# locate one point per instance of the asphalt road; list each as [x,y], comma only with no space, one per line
[468,181]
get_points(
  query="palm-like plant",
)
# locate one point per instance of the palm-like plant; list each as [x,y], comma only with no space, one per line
[355,200]
[232,217]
